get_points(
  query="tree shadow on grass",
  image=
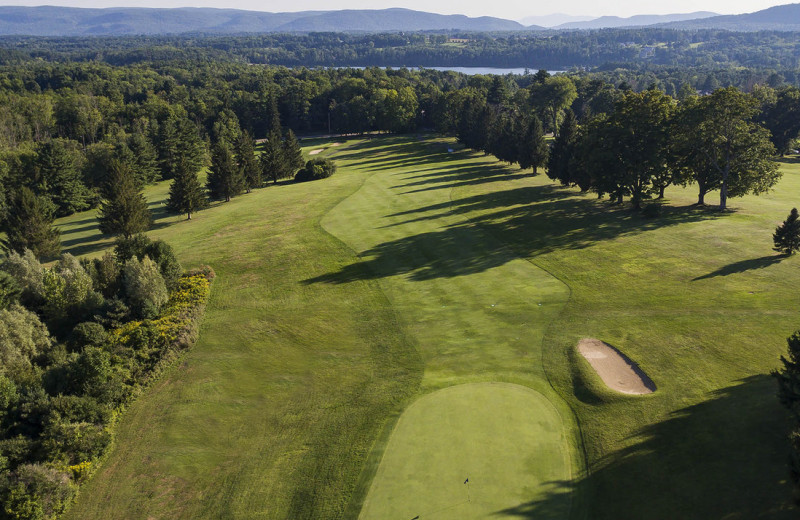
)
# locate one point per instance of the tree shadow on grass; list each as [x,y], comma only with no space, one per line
[724,458]
[743,266]
[531,220]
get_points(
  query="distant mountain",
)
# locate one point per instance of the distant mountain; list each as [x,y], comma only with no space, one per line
[72,21]
[778,18]
[635,21]
[551,20]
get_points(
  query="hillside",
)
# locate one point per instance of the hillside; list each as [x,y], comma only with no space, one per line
[634,21]
[68,21]
[778,18]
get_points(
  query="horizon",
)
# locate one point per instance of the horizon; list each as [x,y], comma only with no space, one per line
[506,9]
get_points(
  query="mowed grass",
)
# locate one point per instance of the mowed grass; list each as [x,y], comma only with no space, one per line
[273,412]
[472,451]
[477,313]
[701,302]
[285,407]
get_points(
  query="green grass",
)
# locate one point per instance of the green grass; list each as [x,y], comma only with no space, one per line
[472,451]
[341,302]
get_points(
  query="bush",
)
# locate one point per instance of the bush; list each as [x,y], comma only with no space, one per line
[85,334]
[160,252]
[316,169]
[28,273]
[787,235]
[144,286]
[38,492]
[23,337]
[105,273]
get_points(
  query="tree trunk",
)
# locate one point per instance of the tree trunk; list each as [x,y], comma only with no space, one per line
[188,216]
[661,192]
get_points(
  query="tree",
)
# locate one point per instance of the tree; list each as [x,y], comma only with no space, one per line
[58,175]
[723,148]
[144,286]
[532,146]
[274,165]
[789,396]
[225,179]
[316,169]
[553,96]
[787,235]
[782,118]
[145,157]
[124,208]
[561,162]
[247,163]
[29,225]
[186,194]
[292,152]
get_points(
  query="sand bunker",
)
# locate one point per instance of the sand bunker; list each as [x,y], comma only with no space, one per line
[336,144]
[315,152]
[614,368]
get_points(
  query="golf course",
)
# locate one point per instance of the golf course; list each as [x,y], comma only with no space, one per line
[399,341]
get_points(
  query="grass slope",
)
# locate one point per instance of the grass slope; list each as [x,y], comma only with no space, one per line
[273,412]
[476,311]
[281,409]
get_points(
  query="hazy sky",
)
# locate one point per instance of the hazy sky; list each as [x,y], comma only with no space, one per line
[512,9]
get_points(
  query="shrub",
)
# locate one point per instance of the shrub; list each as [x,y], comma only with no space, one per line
[144,286]
[316,169]
[84,334]
[28,273]
[105,273]
[22,338]
[9,290]
[38,492]
[787,235]
[159,252]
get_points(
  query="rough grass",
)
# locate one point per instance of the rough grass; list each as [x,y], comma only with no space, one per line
[307,352]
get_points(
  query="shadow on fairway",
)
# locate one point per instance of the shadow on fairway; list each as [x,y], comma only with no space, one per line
[547,217]
[680,464]
[743,266]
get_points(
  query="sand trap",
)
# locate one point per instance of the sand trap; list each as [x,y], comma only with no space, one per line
[336,144]
[614,368]
[315,152]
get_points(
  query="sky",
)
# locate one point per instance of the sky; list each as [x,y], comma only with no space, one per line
[511,9]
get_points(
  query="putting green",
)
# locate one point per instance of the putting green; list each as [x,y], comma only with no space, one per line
[506,439]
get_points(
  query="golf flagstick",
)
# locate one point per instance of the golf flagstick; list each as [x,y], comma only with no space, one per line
[467,483]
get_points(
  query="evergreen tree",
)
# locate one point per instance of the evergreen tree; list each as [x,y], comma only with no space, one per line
[225,179]
[787,235]
[145,157]
[247,162]
[186,194]
[29,225]
[124,208]
[561,163]
[292,151]
[789,396]
[532,145]
[273,114]
[59,176]
[273,161]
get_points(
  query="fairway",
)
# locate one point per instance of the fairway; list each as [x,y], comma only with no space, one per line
[365,327]
[471,451]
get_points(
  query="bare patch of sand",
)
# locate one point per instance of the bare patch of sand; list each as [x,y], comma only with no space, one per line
[315,152]
[336,144]
[614,368]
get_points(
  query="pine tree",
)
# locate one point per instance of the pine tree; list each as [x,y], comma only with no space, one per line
[273,161]
[225,179]
[560,164]
[292,152]
[146,160]
[124,208]
[59,176]
[247,162]
[29,225]
[787,235]
[533,148]
[186,194]
[273,115]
